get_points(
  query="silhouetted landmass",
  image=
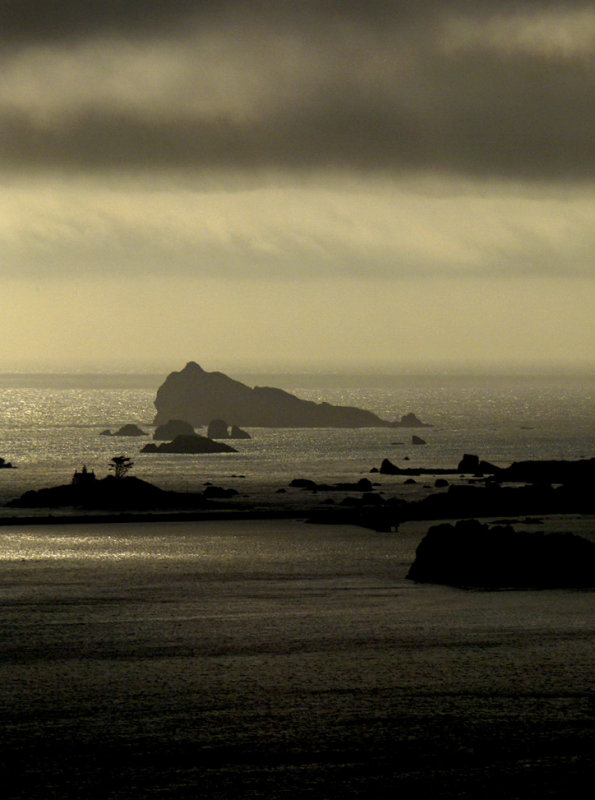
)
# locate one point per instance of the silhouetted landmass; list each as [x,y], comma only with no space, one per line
[6,464]
[548,471]
[469,554]
[128,494]
[189,444]
[199,397]
[173,428]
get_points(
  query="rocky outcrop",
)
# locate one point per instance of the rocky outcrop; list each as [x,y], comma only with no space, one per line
[171,429]
[125,430]
[417,440]
[189,444]
[469,554]
[5,464]
[199,397]
[218,429]
[410,421]
[470,464]
[238,433]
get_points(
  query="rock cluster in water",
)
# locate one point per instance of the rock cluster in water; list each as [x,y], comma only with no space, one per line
[219,429]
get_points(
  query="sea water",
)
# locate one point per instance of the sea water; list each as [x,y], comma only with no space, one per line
[280,660]
[51,425]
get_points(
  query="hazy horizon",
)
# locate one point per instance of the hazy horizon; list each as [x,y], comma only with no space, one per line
[305,187]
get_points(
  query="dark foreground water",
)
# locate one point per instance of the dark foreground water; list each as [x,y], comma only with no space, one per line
[280,660]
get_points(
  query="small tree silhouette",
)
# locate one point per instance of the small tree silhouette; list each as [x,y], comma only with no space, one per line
[120,465]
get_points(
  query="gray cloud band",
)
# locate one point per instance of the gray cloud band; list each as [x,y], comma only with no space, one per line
[467,100]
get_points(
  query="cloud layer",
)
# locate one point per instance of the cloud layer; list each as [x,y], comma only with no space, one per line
[497,89]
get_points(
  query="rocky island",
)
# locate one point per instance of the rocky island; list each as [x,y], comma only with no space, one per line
[189,443]
[471,554]
[198,397]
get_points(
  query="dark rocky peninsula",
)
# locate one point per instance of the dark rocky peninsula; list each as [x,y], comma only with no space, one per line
[6,464]
[469,554]
[109,493]
[198,397]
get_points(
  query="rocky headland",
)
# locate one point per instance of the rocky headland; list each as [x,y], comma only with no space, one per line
[199,397]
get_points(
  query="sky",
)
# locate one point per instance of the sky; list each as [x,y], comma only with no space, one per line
[297,185]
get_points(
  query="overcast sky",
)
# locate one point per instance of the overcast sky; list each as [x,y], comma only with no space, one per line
[272,185]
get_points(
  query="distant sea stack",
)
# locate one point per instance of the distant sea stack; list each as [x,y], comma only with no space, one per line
[198,397]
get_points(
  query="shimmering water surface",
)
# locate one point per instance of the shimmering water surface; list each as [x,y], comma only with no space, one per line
[48,431]
[279,659]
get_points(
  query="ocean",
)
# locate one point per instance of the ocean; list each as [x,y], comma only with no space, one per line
[50,426]
[278,659]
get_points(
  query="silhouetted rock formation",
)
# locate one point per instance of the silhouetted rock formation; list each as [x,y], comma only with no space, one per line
[410,421]
[469,554]
[217,429]
[472,465]
[189,444]
[238,433]
[388,468]
[125,430]
[199,397]
[549,471]
[171,429]
[126,494]
[417,440]
[5,464]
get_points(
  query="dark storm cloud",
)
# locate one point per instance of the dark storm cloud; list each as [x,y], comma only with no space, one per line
[32,20]
[376,86]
